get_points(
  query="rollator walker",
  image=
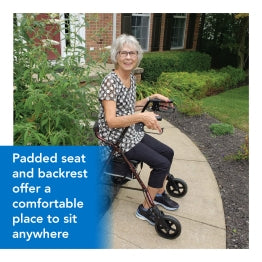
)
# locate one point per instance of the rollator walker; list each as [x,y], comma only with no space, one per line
[123,170]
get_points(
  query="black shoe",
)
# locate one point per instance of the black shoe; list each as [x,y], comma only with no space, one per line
[165,201]
[147,215]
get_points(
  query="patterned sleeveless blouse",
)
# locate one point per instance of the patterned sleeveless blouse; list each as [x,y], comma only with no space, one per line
[112,88]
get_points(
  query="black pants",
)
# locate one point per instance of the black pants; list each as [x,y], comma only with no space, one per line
[155,154]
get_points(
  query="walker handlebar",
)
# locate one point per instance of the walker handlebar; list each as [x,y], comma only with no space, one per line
[157,105]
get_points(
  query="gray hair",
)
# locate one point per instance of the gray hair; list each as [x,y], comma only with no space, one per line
[120,42]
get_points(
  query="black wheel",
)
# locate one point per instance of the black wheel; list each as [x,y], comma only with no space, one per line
[176,187]
[170,227]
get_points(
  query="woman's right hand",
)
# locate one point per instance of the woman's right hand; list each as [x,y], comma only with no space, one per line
[150,121]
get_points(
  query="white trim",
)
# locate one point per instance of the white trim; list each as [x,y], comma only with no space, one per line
[77,22]
[148,33]
[19,16]
[114,26]
[141,14]
[180,15]
[62,35]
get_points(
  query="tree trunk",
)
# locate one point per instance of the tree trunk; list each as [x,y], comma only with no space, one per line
[242,45]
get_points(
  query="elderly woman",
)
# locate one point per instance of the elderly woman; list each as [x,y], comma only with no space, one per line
[118,104]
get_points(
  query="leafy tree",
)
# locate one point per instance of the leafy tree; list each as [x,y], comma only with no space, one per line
[225,37]
[242,48]
[51,107]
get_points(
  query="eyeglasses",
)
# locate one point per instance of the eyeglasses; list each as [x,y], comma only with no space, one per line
[132,54]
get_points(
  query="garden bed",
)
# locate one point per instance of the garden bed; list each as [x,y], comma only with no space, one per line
[232,176]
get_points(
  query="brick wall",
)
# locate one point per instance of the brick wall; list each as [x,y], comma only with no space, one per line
[99,32]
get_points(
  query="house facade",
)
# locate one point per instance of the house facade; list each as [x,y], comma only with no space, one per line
[154,31]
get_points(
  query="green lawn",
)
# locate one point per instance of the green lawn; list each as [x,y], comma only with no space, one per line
[230,107]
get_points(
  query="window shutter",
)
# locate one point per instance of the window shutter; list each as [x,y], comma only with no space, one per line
[190,31]
[168,32]
[156,32]
[126,24]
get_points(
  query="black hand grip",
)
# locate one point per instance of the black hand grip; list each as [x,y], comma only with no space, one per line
[156,104]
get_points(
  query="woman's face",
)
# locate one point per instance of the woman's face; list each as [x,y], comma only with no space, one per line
[127,58]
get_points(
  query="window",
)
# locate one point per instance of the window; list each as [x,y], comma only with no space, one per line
[178,31]
[140,29]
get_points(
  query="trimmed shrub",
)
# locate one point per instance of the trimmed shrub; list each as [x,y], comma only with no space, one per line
[201,84]
[185,104]
[220,129]
[189,84]
[173,61]
[145,89]
[237,75]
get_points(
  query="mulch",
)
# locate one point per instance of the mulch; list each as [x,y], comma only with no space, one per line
[232,175]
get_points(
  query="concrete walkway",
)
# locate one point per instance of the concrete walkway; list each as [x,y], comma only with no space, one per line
[201,211]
